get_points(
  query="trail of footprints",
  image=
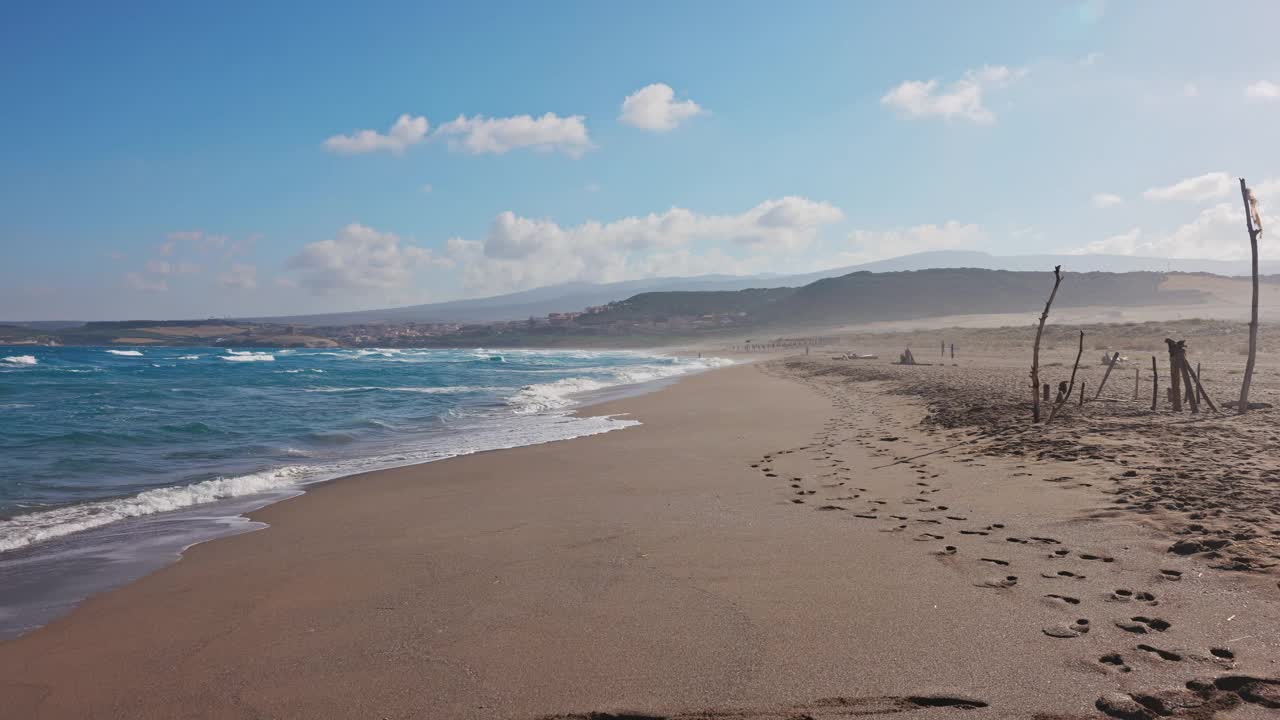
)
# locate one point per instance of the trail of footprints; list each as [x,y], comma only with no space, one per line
[866,428]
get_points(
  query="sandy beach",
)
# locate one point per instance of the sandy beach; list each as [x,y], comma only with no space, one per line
[781,540]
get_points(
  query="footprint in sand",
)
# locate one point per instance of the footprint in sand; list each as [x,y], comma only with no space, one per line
[1067,630]
[1163,654]
[1141,625]
[1007,581]
[1125,595]
[1063,574]
[1115,661]
[1063,599]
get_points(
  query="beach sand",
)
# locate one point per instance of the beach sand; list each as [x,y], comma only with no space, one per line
[777,541]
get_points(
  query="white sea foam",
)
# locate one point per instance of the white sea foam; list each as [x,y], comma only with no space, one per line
[126,353]
[36,527]
[24,530]
[248,357]
[188,357]
[450,390]
[563,393]
[21,360]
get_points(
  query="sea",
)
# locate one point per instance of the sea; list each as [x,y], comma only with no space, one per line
[115,460]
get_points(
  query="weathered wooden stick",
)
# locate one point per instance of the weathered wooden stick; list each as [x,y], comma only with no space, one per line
[1200,389]
[1137,376]
[1071,386]
[1185,370]
[1082,393]
[1107,374]
[1250,210]
[1175,377]
[1035,350]
[1155,385]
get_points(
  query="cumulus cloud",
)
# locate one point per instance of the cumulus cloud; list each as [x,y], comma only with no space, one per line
[1106,200]
[358,259]
[1210,186]
[1263,90]
[406,131]
[871,245]
[481,135]
[520,252]
[962,99]
[1216,233]
[240,276]
[654,107]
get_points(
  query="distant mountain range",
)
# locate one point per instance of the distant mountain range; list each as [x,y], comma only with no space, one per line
[571,297]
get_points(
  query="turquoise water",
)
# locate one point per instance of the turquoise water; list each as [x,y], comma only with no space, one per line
[108,455]
[90,434]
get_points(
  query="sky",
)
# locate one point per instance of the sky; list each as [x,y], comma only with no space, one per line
[177,159]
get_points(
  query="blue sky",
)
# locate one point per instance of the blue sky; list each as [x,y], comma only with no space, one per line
[182,159]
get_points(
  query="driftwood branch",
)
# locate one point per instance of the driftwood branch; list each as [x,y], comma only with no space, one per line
[1250,213]
[1035,350]
[1110,366]
[1071,386]
[1195,376]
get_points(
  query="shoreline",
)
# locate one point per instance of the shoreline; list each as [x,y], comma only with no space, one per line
[740,551]
[49,578]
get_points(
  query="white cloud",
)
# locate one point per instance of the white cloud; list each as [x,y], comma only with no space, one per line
[240,276]
[521,252]
[654,107]
[481,135]
[1217,233]
[1264,90]
[404,132]
[359,258]
[1122,244]
[1091,59]
[879,244]
[1190,90]
[1210,186]
[961,99]
[427,189]
[1106,200]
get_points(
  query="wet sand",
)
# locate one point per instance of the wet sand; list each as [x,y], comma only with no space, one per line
[776,541]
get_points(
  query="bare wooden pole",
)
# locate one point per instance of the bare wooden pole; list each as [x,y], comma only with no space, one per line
[1175,376]
[1035,350]
[1199,390]
[1155,385]
[1137,378]
[1250,215]
[1110,366]
[1071,386]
